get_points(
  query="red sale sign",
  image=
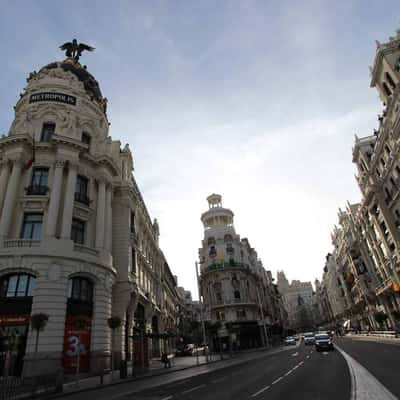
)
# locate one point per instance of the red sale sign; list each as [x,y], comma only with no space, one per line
[77,343]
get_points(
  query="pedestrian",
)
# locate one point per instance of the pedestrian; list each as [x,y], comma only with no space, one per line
[166,360]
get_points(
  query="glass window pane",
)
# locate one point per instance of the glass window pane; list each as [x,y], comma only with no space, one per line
[36,231]
[26,230]
[12,286]
[22,285]
[31,285]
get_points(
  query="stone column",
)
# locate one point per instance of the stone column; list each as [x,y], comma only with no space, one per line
[10,198]
[100,216]
[4,175]
[55,196]
[69,201]
[108,230]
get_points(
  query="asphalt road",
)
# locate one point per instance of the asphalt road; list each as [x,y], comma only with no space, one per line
[380,358]
[300,373]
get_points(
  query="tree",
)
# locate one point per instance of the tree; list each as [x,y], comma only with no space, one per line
[38,323]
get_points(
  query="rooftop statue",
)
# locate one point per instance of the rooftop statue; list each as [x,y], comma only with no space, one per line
[74,50]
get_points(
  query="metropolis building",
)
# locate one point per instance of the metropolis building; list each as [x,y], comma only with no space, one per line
[76,240]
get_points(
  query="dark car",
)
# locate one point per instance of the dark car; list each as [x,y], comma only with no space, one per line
[323,342]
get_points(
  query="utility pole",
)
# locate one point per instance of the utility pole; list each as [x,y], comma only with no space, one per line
[203,325]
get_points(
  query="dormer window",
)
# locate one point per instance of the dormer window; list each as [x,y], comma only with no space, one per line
[48,131]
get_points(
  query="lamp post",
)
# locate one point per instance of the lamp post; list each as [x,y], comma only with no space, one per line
[202,311]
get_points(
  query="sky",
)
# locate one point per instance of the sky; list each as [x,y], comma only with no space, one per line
[258,101]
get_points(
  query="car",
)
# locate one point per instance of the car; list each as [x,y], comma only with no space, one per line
[309,338]
[290,341]
[323,342]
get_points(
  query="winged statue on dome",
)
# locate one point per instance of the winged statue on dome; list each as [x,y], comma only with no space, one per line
[74,50]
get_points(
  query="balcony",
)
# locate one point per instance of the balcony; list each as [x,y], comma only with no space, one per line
[21,243]
[85,249]
[384,286]
[231,302]
[82,198]
[226,265]
[37,190]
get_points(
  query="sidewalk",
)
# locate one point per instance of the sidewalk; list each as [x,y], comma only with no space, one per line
[181,364]
[374,338]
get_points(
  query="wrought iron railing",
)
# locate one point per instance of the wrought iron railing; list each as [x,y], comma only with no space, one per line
[21,243]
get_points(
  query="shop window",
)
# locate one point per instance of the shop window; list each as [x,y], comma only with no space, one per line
[17,285]
[81,190]
[39,182]
[32,226]
[78,231]
[80,289]
[48,131]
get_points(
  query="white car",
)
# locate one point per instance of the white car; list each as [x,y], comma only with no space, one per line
[290,341]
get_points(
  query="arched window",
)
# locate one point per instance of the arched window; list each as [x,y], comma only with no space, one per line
[17,285]
[236,293]
[81,289]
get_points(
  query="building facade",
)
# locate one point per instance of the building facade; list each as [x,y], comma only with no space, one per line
[367,240]
[76,240]
[238,293]
[298,301]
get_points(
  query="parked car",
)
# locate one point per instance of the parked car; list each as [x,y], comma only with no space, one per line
[309,338]
[323,342]
[290,341]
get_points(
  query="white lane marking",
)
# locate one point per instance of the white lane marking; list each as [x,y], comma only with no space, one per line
[167,398]
[260,391]
[219,379]
[325,353]
[308,356]
[363,384]
[295,367]
[194,388]
[277,380]
[301,363]
[311,352]
[288,373]
[295,354]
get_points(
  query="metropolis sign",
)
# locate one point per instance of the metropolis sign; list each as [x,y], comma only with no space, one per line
[57,97]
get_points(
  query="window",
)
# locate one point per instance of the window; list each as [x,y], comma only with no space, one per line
[132,222]
[211,241]
[228,238]
[241,313]
[39,182]
[386,89]
[81,190]
[133,260]
[78,231]
[80,289]
[390,80]
[236,294]
[32,226]
[213,252]
[86,139]
[218,295]
[48,131]
[18,285]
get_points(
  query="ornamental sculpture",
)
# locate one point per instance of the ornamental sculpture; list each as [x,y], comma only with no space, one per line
[74,50]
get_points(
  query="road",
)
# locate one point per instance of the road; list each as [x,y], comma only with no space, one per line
[365,370]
